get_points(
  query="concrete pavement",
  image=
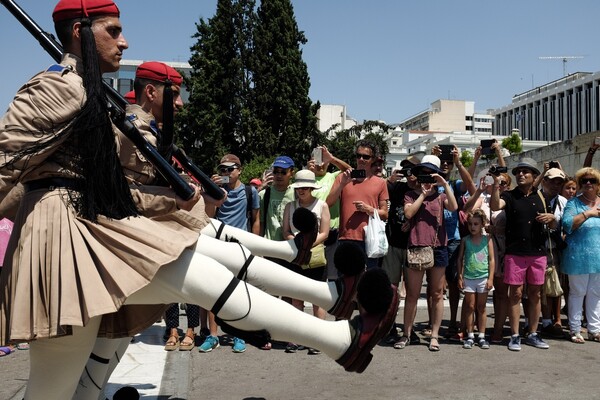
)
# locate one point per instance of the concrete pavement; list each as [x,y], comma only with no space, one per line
[566,370]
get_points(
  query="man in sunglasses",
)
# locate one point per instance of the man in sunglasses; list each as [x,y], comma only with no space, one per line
[274,198]
[359,198]
[242,205]
[528,215]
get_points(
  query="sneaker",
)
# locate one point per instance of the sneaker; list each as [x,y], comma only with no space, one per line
[515,343]
[534,340]
[239,346]
[468,344]
[484,344]
[211,343]
[313,352]
[291,348]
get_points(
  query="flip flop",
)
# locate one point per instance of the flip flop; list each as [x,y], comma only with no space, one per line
[4,351]
[434,347]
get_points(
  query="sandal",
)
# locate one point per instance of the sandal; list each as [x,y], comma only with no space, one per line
[434,347]
[402,343]
[5,350]
[23,346]
[594,337]
[577,338]
[172,343]
[187,345]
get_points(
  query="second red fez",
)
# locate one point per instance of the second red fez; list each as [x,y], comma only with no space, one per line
[70,9]
[157,71]
[130,97]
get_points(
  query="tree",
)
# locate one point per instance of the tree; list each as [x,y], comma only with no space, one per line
[513,143]
[466,158]
[344,142]
[286,118]
[214,122]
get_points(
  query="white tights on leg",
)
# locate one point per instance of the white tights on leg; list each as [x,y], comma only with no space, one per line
[96,373]
[198,279]
[258,245]
[267,275]
[56,364]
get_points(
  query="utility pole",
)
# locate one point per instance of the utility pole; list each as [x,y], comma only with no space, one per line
[564,60]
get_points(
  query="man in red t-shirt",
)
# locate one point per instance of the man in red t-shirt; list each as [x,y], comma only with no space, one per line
[359,198]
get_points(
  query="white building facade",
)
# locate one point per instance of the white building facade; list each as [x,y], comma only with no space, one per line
[330,115]
[450,116]
[556,111]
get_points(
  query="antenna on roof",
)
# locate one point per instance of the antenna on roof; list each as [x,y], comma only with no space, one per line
[564,60]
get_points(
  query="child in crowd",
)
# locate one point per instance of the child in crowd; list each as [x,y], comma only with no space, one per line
[476,275]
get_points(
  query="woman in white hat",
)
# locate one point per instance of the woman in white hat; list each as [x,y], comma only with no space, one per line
[304,183]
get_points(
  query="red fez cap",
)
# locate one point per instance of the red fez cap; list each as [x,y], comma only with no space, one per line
[157,71]
[130,97]
[70,9]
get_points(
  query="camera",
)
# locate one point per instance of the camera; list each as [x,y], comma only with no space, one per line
[358,173]
[497,170]
[553,164]
[446,152]
[425,179]
[224,180]
[486,146]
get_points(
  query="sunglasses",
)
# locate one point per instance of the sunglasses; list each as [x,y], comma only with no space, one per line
[303,188]
[503,183]
[279,171]
[523,171]
[365,157]
[584,181]
[227,169]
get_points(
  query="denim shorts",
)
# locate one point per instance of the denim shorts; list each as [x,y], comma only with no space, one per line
[440,256]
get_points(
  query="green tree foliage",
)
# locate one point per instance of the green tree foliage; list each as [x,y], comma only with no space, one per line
[513,143]
[211,120]
[344,143]
[466,158]
[280,101]
[249,86]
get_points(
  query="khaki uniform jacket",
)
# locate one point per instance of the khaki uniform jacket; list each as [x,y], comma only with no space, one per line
[61,270]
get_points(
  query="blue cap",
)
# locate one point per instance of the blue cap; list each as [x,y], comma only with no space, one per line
[283,162]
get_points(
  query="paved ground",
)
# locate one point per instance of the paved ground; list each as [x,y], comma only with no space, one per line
[564,371]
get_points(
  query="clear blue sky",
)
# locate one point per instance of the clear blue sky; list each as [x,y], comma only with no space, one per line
[383,59]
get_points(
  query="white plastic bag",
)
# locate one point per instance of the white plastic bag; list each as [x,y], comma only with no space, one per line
[376,243]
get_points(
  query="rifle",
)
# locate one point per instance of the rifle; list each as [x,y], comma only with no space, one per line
[116,107]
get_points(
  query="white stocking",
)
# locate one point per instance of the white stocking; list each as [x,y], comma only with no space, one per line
[258,245]
[197,279]
[56,364]
[96,373]
[267,275]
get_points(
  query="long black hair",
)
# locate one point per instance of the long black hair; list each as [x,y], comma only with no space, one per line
[105,190]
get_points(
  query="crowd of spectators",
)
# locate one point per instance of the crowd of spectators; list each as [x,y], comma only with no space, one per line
[493,232]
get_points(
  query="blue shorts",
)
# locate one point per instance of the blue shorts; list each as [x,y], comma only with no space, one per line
[440,256]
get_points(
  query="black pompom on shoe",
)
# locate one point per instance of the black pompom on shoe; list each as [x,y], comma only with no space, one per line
[374,292]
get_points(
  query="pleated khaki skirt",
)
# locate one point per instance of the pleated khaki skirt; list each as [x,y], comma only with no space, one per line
[61,270]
